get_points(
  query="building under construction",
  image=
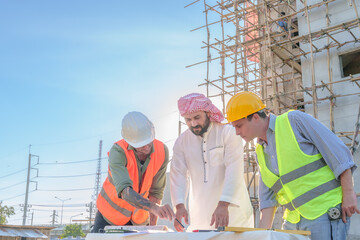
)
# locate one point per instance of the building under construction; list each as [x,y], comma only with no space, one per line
[295,54]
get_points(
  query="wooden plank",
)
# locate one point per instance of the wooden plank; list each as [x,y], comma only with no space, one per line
[286,58]
[243,229]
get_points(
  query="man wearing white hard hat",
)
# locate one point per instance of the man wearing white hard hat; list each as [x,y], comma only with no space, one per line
[133,190]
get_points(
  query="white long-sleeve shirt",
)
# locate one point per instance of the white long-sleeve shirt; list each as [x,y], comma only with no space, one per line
[214,164]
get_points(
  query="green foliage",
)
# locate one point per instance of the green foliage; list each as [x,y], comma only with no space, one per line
[73,230]
[5,212]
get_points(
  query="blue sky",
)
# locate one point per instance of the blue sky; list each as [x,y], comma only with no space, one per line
[69,72]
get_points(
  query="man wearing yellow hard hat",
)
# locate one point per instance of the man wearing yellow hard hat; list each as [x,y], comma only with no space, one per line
[304,167]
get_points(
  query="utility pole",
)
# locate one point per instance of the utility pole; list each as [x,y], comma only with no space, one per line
[75,216]
[98,174]
[26,206]
[32,217]
[90,210]
[27,188]
[62,206]
[53,218]
[97,186]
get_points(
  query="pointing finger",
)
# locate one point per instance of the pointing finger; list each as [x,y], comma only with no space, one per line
[212,220]
[186,218]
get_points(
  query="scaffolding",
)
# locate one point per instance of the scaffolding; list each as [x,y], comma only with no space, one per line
[286,51]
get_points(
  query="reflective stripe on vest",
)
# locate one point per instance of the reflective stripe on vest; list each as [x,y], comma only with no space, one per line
[297,173]
[124,211]
[306,185]
[114,209]
[310,195]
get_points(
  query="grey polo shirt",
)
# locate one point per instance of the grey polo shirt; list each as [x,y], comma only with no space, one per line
[120,175]
[313,137]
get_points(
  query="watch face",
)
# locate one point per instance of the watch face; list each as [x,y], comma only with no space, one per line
[334,213]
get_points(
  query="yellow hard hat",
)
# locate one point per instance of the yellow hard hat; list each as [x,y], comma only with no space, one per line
[242,105]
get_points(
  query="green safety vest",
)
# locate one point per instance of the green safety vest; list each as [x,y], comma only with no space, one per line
[306,186]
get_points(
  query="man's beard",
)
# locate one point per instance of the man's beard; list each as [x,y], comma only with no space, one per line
[203,128]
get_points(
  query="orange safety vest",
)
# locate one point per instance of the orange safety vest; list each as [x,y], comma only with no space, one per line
[116,210]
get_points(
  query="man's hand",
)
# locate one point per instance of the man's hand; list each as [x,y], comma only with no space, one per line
[138,201]
[349,201]
[153,217]
[221,215]
[349,205]
[162,211]
[181,213]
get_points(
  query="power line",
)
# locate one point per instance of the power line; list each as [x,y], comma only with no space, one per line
[68,176]
[15,219]
[83,161]
[15,196]
[44,217]
[63,190]
[76,140]
[51,209]
[12,185]
[7,155]
[15,205]
[16,213]
[54,205]
[13,173]
[41,210]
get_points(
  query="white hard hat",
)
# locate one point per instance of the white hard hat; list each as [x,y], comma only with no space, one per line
[137,129]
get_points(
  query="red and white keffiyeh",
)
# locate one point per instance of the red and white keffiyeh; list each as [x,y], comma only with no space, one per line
[195,102]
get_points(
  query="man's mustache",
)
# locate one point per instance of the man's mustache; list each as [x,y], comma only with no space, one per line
[197,126]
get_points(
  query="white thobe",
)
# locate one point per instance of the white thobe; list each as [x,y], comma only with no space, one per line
[214,163]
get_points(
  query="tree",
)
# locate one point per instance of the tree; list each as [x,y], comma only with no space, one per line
[73,230]
[5,212]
